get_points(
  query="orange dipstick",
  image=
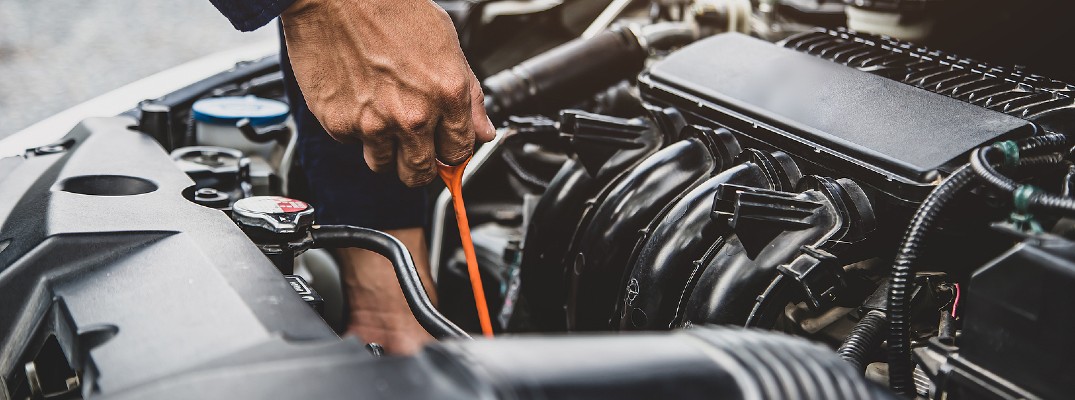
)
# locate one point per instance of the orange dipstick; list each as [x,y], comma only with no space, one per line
[453,179]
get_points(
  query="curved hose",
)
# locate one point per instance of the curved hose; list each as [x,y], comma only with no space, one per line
[864,338]
[982,162]
[341,236]
[901,378]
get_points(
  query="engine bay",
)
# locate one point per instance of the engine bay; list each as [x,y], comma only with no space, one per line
[685,199]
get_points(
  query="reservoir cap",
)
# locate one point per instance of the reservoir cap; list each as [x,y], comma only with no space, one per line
[229,110]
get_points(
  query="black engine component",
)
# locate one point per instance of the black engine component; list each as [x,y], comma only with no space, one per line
[1047,102]
[1017,317]
[815,228]
[221,175]
[735,181]
[101,252]
[677,245]
[565,74]
[874,145]
[700,363]
[829,117]
[602,250]
[558,216]
[574,71]
[227,324]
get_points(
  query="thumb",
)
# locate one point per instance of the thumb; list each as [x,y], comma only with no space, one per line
[483,127]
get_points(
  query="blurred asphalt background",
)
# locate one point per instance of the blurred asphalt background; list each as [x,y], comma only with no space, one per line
[55,54]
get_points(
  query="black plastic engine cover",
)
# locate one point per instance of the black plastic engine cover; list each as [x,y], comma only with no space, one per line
[99,249]
[846,122]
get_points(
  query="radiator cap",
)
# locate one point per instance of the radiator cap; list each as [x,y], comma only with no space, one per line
[274,214]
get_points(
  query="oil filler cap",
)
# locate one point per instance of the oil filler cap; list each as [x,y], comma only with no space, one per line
[273,215]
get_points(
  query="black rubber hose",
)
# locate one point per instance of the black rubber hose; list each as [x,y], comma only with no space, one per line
[1051,203]
[982,161]
[901,378]
[1035,145]
[863,339]
[566,74]
[342,236]
[577,69]
[699,363]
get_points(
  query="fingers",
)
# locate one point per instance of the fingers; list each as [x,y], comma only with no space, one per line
[416,162]
[454,138]
[379,153]
[482,126]
[414,133]
[464,120]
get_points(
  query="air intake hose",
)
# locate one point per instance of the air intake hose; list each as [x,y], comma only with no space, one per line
[705,362]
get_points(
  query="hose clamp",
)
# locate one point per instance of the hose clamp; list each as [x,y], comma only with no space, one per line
[1022,197]
[1011,152]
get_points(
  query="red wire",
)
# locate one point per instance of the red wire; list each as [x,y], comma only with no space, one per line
[955,303]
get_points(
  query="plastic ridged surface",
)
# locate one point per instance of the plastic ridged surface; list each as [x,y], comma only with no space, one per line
[783,367]
[1003,89]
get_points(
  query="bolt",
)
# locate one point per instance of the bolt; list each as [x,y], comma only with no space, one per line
[206,193]
[50,149]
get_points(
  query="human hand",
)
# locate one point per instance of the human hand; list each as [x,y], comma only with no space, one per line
[389,73]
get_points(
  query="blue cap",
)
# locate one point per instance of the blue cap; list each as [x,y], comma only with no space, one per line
[229,110]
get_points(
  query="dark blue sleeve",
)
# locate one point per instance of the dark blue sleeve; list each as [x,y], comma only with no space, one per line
[247,15]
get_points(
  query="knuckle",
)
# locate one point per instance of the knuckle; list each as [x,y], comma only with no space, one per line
[456,87]
[335,125]
[419,178]
[372,127]
[457,155]
[456,126]
[419,161]
[377,157]
[415,120]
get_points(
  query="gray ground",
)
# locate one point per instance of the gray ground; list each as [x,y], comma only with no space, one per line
[57,53]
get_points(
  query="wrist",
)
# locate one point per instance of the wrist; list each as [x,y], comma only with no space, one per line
[300,8]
